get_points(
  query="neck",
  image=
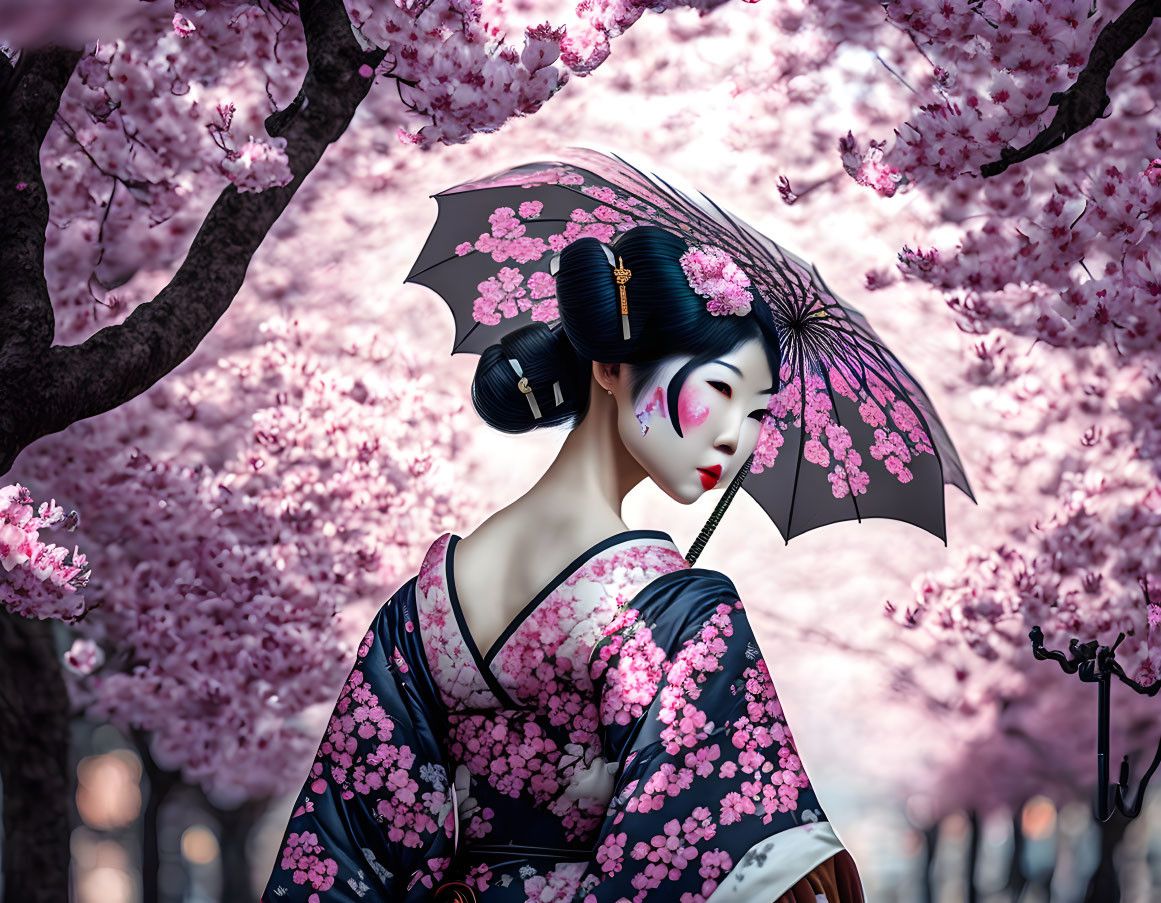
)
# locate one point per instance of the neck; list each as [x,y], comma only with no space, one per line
[592,473]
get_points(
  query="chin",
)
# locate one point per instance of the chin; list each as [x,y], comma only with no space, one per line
[688,497]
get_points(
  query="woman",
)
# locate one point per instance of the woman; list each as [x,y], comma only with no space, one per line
[617,736]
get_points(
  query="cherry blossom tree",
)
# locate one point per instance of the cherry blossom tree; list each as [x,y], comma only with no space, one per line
[1055,200]
[227,569]
[148,153]
[147,120]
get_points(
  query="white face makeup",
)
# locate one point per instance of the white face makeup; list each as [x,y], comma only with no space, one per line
[720,408]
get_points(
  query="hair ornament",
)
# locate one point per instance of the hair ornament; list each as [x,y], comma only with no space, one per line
[522,385]
[713,274]
[620,272]
[622,275]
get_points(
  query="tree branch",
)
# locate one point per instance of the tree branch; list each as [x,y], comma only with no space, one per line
[120,362]
[1085,102]
[31,94]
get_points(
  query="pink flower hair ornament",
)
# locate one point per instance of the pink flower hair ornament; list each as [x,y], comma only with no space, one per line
[713,274]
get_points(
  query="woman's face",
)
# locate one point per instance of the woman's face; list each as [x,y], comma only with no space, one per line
[719,408]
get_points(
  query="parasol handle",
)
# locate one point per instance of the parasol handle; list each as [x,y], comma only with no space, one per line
[728,496]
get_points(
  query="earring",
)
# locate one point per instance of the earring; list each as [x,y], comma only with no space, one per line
[610,391]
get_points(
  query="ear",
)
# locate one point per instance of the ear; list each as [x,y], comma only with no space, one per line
[606,375]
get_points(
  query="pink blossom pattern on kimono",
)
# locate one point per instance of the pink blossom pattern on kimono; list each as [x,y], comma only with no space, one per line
[620,740]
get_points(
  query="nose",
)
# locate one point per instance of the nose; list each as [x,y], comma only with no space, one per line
[730,433]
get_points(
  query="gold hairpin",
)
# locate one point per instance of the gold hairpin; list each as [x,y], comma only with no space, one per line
[622,274]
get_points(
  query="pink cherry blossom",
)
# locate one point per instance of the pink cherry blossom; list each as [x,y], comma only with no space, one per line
[37,582]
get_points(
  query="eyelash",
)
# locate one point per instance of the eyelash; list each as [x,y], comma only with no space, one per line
[761,412]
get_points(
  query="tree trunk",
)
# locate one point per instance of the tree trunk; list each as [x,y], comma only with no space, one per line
[236,826]
[1104,886]
[160,783]
[973,855]
[1017,879]
[1044,882]
[34,748]
[47,387]
[930,843]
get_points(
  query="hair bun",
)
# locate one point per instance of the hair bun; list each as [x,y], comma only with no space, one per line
[551,370]
[666,318]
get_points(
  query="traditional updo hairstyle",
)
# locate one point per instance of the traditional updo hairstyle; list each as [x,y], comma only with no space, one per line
[666,318]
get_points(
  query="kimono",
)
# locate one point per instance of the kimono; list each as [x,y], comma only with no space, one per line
[621,741]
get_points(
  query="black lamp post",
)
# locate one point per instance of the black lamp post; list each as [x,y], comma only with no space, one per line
[1096,664]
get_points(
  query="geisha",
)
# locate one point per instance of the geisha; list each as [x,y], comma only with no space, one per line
[558,707]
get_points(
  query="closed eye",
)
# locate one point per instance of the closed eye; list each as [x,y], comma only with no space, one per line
[724,388]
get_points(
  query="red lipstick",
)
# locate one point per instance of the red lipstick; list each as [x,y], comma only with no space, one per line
[710,475]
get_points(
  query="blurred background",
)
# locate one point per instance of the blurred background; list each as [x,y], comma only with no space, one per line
[898,862]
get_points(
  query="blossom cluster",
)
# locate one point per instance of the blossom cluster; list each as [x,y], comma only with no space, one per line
[164,111]
[713,274]
[457,68]
[259,165]
[142,142]
[1079,235]
[1053,265]
[301,490]
[37,582]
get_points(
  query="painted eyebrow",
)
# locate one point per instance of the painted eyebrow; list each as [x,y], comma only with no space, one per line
[769,391]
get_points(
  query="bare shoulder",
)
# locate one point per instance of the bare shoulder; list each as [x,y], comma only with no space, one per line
[486,554]
[523,551]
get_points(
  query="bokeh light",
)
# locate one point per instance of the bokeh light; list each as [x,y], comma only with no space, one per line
[102,869]
[955,826]
[109,789]
[105,885]
[918,809]
[199,845]
[1038,818]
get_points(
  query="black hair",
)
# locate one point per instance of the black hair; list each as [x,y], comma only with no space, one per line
[666,318]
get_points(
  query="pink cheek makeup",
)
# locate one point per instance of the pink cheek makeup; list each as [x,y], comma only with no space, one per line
[655,402]
[691,407]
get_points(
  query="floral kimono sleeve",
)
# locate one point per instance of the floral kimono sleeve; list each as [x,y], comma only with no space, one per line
[374,819]
[709,789]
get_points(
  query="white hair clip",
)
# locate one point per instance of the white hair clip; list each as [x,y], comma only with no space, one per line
[522,385]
